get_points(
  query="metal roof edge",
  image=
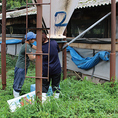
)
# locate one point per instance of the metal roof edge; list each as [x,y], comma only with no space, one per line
[18,13]
[93,3]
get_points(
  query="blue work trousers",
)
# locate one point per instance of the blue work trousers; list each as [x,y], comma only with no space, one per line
[19,77]
[55,83]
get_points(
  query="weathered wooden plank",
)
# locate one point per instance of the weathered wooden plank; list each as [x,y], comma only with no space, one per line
[106,47]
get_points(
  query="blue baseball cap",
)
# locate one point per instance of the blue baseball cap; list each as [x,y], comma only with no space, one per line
[30,35]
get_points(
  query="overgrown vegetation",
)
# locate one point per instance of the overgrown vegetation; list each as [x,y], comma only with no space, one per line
[78,99]
[12,4]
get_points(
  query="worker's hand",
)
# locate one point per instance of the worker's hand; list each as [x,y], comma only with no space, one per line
[31,57]
[34,47]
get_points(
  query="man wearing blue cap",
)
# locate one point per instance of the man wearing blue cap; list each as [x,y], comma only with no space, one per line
[19,72]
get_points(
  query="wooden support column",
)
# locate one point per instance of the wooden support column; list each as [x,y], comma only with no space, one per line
[3,45]
[113,37]
[64,63]
[64,56]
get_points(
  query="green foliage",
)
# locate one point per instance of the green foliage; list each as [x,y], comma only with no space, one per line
[12,4]
[10,62]
[78,99]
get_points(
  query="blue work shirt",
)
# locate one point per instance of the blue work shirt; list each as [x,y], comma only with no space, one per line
[54,63]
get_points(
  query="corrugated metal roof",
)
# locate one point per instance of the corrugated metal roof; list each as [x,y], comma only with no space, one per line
[32,10]
[18,13]
[92,3]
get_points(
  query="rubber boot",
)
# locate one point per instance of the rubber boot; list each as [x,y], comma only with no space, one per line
[56,95]
[16,94]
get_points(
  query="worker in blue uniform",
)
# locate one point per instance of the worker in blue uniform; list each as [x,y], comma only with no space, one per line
[54,66]
[19,72]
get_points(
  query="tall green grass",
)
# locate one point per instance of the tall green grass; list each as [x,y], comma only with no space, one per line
[78,99]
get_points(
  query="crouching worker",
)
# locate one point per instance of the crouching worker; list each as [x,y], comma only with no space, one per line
[54,66]
[19,72]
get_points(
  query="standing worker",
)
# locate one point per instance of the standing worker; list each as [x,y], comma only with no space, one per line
[54,66]
[19,72]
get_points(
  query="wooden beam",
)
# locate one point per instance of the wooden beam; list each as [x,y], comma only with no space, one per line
[105,47]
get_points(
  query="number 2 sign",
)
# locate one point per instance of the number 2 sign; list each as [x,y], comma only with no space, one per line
[61,24]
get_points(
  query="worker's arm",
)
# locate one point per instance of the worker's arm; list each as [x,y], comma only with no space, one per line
[31,57]
[34,47]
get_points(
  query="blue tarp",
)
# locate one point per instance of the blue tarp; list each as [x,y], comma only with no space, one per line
[88,62]
[12,41]
[15,41]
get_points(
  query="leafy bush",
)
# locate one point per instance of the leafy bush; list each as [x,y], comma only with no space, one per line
[10,62]
[11,4]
